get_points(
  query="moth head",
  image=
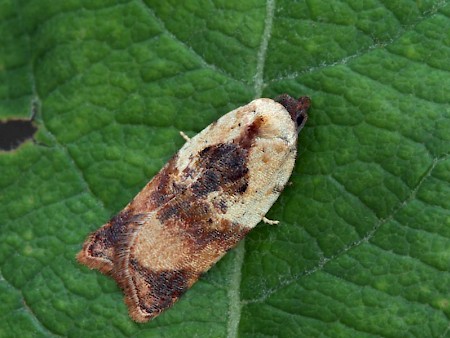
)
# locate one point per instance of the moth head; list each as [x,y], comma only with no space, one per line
[297,108]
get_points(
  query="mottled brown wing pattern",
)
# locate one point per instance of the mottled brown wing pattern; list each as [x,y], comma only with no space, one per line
[200,205]
[99,249]
[161,261]
[162,256]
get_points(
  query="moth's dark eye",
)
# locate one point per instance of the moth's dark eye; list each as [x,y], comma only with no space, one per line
[300,119]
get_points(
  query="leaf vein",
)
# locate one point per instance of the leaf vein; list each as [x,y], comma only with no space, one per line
[202,61]
[352,245]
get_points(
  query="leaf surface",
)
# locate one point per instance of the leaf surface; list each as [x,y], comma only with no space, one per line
[363,245]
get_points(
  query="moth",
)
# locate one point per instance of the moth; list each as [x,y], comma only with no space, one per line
[209,195]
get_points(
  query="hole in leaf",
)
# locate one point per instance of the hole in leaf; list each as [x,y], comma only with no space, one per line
[14,132]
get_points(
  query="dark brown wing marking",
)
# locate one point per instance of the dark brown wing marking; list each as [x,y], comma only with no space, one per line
[98,250]
[170,209]
[155,291]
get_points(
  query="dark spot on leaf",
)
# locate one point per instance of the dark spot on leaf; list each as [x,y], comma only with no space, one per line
[14,132]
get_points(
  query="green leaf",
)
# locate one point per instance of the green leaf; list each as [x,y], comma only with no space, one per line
[363,245]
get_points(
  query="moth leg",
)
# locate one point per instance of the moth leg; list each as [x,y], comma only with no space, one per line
[269,221]
[183,135]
